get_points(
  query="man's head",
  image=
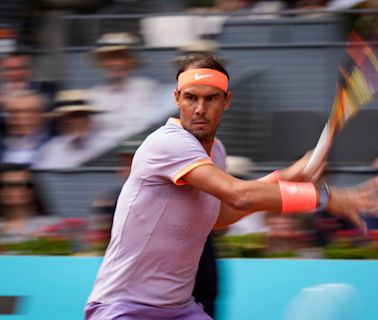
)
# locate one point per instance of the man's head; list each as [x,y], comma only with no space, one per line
[116,65]
[202,94]
[15,185]
[75,112]
[16,67]
[113,56]
[24,113]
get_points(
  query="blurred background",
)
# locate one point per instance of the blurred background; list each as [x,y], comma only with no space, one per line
[83,82]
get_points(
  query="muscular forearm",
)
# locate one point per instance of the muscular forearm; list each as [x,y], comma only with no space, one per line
[277,197]
[256,196]
[251,196]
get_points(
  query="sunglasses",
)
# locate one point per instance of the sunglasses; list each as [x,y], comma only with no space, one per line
[15,184]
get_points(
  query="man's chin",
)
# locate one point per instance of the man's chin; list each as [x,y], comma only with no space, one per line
[201,135]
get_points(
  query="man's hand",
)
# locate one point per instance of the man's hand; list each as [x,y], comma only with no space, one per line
[347,203]
[296,172]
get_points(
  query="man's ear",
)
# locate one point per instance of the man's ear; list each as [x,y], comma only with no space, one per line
[228,100]
[177,96]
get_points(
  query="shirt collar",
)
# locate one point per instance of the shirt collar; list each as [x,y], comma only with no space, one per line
[175,121]
[178,123]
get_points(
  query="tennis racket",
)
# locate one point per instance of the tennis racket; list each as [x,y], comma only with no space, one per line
[356,88]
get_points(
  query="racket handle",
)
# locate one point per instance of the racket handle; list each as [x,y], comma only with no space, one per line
[321,150]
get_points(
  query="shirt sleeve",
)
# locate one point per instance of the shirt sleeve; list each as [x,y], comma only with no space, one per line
[171,155]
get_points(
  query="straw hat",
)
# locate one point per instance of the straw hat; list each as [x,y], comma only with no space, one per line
[200,45]
[204,46]
[115,42]
[70,101]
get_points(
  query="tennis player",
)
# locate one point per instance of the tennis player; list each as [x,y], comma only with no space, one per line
[177,193]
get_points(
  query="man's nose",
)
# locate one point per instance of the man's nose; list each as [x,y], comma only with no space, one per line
[200,107]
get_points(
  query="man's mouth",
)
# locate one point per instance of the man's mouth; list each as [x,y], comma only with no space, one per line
[200,122]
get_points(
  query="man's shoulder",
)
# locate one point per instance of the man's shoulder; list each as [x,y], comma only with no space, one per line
[170,137]
[168,132]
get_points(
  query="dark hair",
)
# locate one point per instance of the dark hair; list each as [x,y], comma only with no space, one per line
[11,167]
[200,60]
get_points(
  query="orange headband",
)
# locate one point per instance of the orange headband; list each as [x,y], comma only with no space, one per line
[204,76]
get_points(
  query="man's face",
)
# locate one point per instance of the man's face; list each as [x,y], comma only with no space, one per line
[15,188]
[16,69]
[115,67]
[24,115]
[77,123]
[201,108]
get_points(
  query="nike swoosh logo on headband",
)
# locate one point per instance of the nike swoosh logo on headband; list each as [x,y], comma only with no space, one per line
[202,76]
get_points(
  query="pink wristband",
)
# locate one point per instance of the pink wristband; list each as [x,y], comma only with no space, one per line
[271,177]
[298,196]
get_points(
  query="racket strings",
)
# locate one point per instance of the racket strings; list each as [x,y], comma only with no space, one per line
[358,83]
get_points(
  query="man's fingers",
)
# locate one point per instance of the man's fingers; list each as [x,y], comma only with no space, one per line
[368,201]
[318,173]
[355,218]
[372,211]
[364,228]
[371,185]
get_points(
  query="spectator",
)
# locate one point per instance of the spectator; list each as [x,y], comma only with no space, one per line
[17,74]
[21,212]
[25,129]
[130,102]
[77,141]
[198,46]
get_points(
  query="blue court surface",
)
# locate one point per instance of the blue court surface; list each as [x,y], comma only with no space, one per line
[262,289]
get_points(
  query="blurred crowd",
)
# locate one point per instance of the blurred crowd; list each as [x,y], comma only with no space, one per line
[44,127]
[271,6]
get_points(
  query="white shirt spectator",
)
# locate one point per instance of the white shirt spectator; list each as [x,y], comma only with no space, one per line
[69,151]
[129,109]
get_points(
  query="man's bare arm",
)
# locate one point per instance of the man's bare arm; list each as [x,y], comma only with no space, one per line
[240,197]
[228,215]
[246,196]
